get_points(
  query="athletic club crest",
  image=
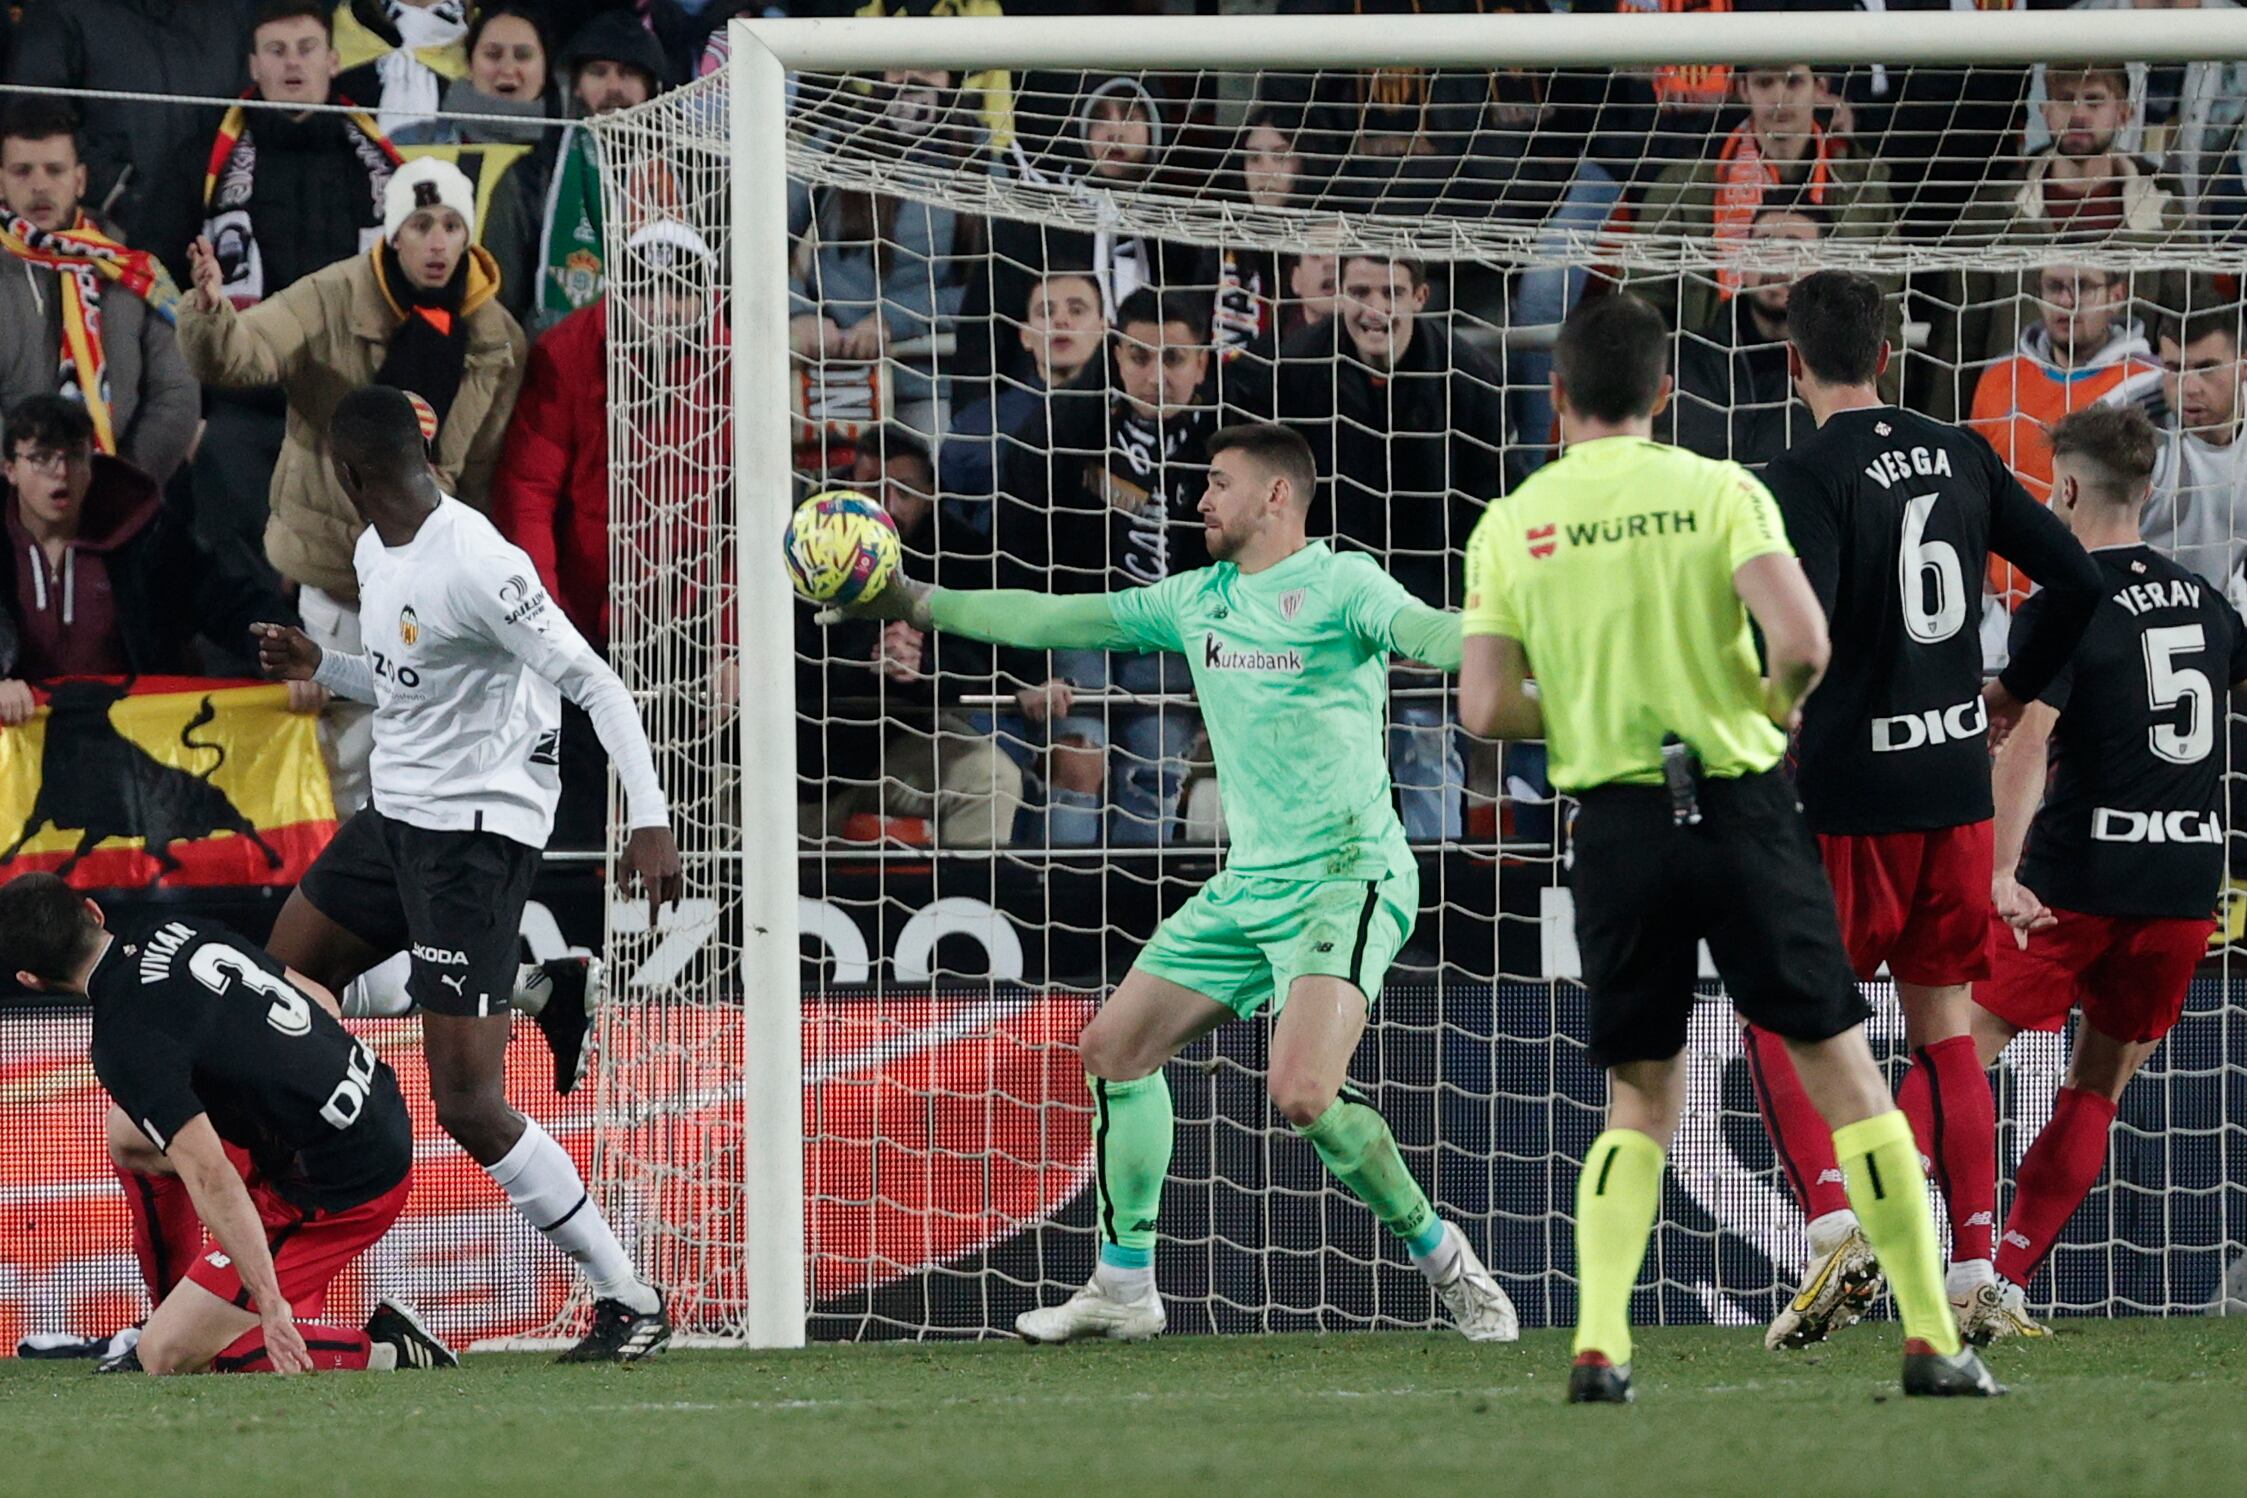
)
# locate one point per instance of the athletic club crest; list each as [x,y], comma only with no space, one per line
[1291,604]
[409,628]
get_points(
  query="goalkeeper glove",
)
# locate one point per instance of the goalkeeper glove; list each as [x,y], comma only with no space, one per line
[901,598]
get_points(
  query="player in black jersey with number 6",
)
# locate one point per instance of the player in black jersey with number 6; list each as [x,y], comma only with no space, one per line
[2110,911]
[230,1072]
[1895,516]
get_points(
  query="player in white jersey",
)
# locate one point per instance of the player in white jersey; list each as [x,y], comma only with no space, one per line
[466,661]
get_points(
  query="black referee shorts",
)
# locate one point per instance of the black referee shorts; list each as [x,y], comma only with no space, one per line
[1747,880]
[452,899]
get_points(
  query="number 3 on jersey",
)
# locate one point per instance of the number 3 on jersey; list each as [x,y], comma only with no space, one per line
[2168,684]
[216,966]
[1931,583]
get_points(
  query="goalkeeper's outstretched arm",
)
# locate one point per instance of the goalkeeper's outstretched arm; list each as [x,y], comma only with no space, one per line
[1000,616]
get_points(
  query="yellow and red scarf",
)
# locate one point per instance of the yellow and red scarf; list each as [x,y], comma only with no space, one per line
[83,258]
[1742,178]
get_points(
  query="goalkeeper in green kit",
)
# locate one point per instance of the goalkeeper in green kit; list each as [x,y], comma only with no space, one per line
[1289,644]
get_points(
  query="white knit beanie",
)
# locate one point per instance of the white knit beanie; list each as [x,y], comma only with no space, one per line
[426,182]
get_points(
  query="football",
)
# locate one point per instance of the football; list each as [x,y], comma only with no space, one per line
[840,547]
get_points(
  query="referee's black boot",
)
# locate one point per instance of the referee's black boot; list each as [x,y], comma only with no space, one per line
[1596,1380]
[1960,1376]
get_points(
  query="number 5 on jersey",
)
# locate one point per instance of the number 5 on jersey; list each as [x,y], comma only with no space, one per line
[2168,684]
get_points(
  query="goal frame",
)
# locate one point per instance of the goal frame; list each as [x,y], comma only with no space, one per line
[762,54]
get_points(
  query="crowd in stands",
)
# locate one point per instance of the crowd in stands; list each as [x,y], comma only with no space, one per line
[403,192]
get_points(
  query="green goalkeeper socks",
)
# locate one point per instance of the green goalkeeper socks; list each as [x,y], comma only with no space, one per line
[1131,1126]
[1888,1189]
[1616,1198]
[1357,1146]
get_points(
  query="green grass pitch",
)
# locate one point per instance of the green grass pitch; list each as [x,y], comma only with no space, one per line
[2109,1409]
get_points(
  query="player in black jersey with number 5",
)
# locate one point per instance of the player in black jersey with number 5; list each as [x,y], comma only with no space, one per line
[232,1073]
[2110,911]
[1895,516]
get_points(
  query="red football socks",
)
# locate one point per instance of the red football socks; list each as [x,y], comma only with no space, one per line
[1799,1132]
[167,1235]
[1946,1095]
[333,1348]
[2057,1174]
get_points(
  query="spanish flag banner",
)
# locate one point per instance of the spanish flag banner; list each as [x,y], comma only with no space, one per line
[164,780]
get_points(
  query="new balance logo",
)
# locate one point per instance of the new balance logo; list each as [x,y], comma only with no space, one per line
[1981,1220]
[2016,1240]
[1324,946]
[2111,826]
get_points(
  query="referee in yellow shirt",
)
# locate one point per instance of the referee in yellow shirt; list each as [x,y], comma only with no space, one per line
[1623,577]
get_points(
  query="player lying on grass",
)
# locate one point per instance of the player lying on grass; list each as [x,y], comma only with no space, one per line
[1289,644]
[232,1074]
[1625,575]
[466,662]
[2109,910]
[1895,517]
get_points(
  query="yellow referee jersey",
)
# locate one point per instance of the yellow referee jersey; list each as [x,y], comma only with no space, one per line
[1613,567]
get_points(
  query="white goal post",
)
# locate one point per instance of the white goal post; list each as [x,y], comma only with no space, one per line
[756,90]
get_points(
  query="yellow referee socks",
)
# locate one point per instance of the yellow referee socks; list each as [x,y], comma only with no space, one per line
[1616,1198]
[1888,1189]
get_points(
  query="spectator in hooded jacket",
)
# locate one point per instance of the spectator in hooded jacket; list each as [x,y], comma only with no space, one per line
[2085,349]
[144,162]
[102,579]
[62,271]
[285,194]
[418,312]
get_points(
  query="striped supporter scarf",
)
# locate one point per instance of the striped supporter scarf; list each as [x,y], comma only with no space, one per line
[1743,177]
[231,175]
[83,258]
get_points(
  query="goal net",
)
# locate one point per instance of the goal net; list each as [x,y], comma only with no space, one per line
[1013,302]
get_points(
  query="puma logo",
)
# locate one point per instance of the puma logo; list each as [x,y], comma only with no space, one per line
[454,982]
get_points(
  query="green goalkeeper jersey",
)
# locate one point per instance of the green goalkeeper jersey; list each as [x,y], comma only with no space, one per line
[1290,671]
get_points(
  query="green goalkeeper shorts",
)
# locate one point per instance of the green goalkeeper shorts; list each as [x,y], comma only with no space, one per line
[1243,940]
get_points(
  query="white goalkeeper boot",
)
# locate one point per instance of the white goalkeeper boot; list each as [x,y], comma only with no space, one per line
[1114,1313]
[1478,1307]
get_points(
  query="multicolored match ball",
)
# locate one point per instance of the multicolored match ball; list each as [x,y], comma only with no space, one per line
[840,547]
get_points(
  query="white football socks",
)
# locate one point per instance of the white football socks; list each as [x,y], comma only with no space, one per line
[380,991]
[1827,1232]
[532,989]
[541,1179]
[1438,1262]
